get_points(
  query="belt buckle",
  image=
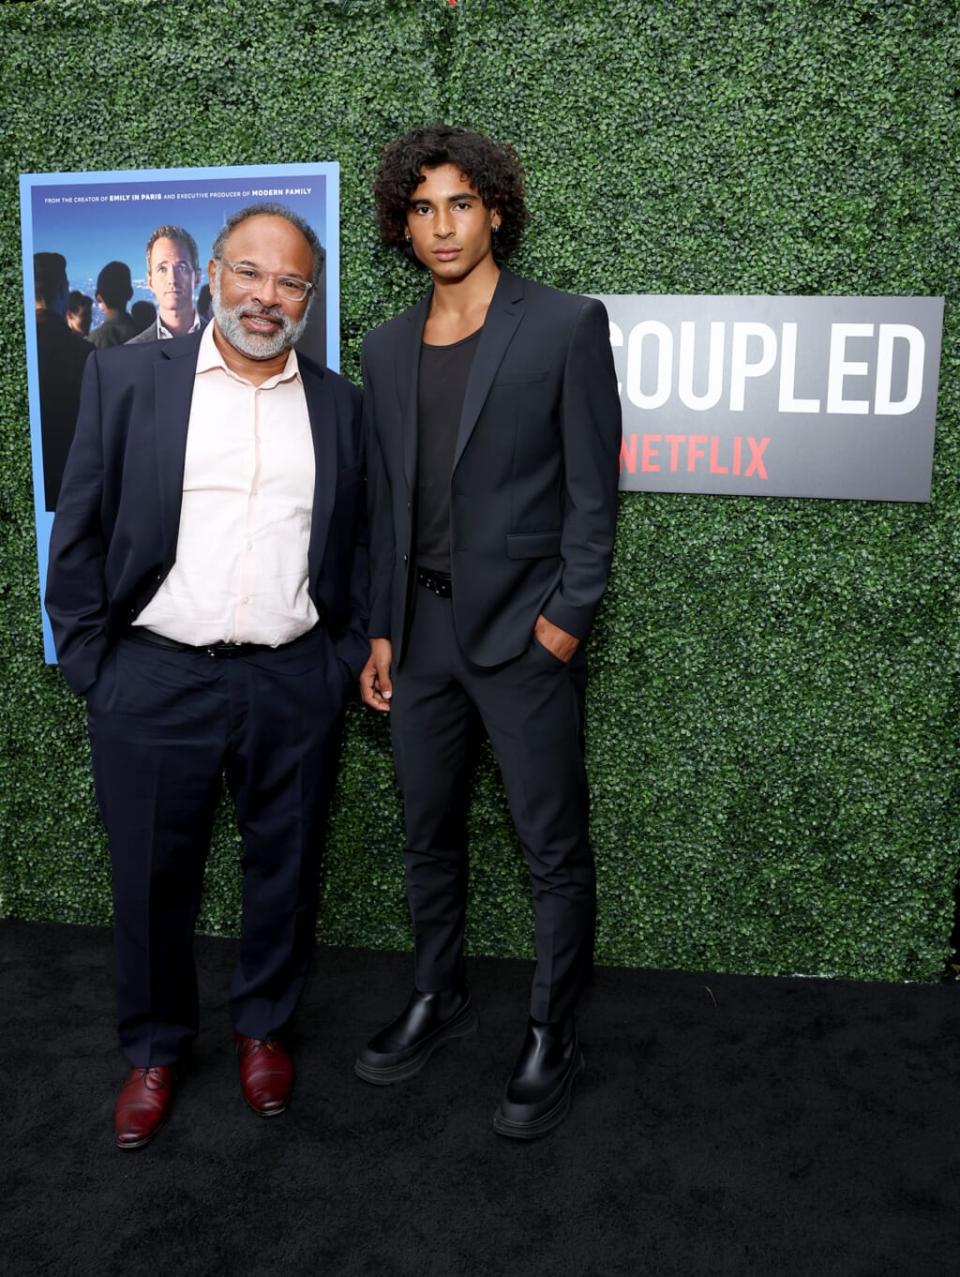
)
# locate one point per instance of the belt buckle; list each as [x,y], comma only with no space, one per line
[223,649]
[435,582]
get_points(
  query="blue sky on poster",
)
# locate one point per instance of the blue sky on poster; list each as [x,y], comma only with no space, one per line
[92,223]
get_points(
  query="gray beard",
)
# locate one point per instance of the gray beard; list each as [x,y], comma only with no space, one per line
[255,345]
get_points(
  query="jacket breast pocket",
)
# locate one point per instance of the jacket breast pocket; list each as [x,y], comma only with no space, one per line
[520,376]
[533,545]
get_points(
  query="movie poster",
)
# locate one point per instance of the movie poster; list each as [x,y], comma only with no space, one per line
[88,282]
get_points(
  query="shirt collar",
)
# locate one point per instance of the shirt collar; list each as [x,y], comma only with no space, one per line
[210,358]
[164,333]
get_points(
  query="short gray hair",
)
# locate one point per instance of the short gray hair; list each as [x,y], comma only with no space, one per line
[178,234]
[272,210]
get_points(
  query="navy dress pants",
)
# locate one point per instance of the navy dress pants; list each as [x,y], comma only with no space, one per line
[532,711]
[165,727]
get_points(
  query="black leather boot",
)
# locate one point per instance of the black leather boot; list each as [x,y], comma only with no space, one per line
[539,1088]
[402,1049]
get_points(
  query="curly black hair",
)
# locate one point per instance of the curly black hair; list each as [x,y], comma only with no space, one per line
[493,170]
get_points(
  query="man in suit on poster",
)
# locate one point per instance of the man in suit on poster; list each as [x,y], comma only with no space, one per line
[494,435]
[207,587]
[173,273]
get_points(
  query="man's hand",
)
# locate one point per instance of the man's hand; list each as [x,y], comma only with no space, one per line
[555,640]
[375,686]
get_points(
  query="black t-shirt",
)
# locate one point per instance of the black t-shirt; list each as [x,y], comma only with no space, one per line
[443,383]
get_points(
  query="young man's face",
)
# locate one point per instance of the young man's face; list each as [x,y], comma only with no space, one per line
[449,226]
[172,276]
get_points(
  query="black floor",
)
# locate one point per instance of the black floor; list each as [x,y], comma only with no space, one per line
[725,1124]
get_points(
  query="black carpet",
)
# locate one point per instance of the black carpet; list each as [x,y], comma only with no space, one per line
[725,1125]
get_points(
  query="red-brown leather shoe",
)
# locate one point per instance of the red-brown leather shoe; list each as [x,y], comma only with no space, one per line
[143,1105]
[266,1074]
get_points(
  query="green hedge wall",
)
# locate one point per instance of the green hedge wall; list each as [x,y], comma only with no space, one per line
[772,713]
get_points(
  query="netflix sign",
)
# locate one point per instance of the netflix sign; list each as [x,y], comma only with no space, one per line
[778,396]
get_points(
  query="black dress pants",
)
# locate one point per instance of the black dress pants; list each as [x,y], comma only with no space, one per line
[532,710]
[165,726]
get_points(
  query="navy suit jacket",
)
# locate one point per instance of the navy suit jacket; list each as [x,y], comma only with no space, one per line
[533,493]
[115,531]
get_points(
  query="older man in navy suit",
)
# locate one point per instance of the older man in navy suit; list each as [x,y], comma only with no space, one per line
[207,589]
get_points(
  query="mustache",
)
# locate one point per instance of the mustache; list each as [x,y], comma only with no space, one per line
[265,312]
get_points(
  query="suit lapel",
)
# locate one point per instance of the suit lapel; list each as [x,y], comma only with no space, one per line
[323,427]
[408,381]
[505,313]
[173,378]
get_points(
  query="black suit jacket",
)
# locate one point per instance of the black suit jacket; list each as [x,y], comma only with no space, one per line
[535,471]
[115,532]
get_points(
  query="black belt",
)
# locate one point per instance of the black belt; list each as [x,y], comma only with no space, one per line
[438,582]
[142,635]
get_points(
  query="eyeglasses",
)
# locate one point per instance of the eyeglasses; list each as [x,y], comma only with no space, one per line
[250,277]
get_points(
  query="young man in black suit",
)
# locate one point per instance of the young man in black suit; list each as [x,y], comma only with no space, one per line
[494,435]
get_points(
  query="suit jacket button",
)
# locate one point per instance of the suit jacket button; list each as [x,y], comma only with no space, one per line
[404,558]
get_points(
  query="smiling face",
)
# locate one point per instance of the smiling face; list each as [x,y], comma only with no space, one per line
[261,322]
[173,275]
[450,228]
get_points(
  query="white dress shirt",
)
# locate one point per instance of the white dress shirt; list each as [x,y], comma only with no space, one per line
[240,574]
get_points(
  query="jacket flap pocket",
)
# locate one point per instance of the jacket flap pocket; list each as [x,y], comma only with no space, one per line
[532,545]
[519,376]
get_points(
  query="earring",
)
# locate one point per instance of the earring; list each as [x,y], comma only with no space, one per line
[407,237]
[496,229]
